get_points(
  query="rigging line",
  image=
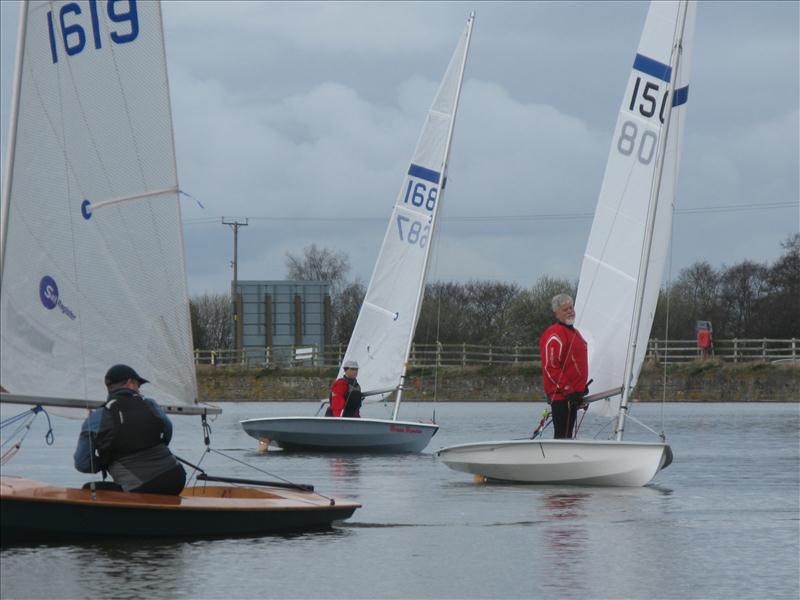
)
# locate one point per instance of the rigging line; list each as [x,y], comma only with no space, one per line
[283,479]
[520,217]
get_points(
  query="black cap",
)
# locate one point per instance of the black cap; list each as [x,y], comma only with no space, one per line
[119,373]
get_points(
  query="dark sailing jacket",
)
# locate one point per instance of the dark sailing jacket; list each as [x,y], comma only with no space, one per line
[345,398]
[127,437]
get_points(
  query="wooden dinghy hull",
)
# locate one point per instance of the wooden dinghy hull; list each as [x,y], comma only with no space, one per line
[37,511]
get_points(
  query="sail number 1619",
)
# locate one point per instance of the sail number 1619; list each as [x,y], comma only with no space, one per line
[74,36]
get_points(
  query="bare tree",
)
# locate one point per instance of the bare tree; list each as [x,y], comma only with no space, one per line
[693,297]
[490,308]
[212,322]
[346,305]
[319,264]
[782,305]
[443,316]
[532,312]
[743,288]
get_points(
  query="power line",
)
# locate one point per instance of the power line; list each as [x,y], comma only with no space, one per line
[498,218]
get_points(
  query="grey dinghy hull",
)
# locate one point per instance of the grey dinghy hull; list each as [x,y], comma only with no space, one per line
[328,434]
[563,462]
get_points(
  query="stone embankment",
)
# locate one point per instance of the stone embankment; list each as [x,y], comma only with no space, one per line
[709,381]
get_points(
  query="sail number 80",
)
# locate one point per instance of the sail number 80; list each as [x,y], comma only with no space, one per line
[626,143]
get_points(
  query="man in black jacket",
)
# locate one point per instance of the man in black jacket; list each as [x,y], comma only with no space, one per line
[128,438]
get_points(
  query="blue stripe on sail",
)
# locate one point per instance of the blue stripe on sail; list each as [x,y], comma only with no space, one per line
[423,173]
[681,96]
[652,67]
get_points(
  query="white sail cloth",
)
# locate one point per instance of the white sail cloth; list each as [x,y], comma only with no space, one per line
[610,269]
[382,335]
[92,268]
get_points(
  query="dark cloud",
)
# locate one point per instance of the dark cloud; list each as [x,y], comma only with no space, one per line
[311,110]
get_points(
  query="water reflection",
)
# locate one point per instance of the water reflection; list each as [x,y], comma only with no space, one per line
[344,469]
[566,539]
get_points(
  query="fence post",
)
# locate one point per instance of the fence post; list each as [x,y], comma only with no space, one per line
[490,354]
[516,353]
[735,350]
[764,349]
[794,349]
[213,357]
[464,354]
[438,354]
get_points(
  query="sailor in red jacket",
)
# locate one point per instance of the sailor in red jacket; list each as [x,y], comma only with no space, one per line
[345,399]
[565,366]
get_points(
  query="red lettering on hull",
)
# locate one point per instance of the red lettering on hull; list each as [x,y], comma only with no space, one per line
[404,429]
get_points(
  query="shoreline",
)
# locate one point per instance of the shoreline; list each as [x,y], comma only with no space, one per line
[701,381]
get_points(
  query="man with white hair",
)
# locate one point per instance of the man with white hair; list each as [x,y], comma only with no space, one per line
[565,366]
[345,399]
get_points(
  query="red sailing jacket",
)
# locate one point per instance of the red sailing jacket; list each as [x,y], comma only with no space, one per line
[565,362]
[345,395]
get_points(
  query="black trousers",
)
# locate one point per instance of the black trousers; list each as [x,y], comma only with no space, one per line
[169,483]
[565,413]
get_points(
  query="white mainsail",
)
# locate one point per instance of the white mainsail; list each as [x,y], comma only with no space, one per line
[611,265]
[92,252]
[381,339]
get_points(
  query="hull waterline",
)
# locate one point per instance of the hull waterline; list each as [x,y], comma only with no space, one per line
[565,462]
[325,434]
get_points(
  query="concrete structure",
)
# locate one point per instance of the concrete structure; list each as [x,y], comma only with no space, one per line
[278,315]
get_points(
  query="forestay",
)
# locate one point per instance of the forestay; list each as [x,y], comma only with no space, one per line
[92,267]
[382,335]
[610,270]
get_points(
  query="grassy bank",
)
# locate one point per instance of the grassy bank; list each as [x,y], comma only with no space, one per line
[711,381]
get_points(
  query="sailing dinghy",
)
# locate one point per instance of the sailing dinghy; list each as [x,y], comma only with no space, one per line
[92,271]
[621,272]
[382,337]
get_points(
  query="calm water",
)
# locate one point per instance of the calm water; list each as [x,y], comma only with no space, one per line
[722,522]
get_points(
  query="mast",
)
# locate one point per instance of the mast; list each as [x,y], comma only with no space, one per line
[12,133]
[644,261]
[420,288]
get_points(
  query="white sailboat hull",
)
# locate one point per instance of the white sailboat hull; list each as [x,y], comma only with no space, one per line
[327,434]
[564,462]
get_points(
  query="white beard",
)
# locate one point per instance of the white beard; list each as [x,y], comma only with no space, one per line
[569,321]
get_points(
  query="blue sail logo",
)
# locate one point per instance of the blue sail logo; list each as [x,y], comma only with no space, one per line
[48,294]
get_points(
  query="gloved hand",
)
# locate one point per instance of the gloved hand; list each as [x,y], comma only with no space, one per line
[576,399]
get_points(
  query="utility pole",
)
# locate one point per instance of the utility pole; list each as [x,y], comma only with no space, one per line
[235,224]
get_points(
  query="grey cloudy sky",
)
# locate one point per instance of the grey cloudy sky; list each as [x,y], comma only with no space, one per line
[303,117]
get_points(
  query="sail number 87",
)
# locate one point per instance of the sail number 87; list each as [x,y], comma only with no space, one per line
[627,142]
[415,233]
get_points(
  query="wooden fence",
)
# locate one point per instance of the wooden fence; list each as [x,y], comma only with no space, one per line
[468,355]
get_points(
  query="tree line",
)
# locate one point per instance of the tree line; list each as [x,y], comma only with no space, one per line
[745,300]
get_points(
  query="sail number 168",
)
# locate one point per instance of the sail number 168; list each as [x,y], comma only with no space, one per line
[419,194]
